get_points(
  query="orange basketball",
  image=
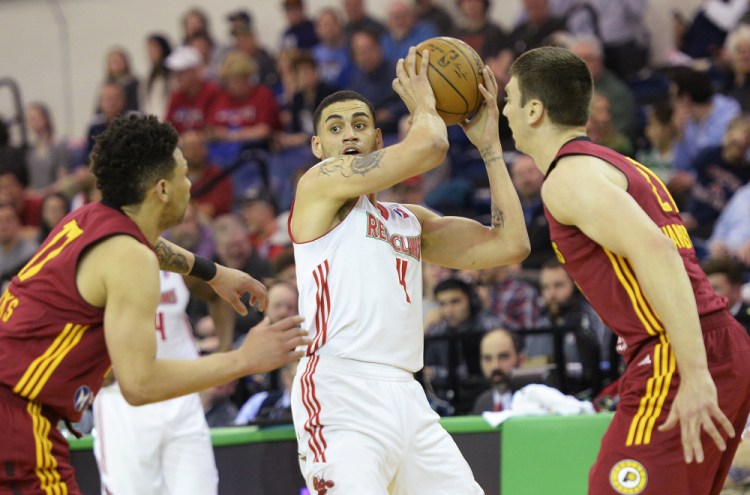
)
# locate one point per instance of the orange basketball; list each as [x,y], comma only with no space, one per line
[455,73]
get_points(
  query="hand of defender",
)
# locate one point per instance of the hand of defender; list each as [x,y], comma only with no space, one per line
[231,284]
[414,88]
[695,407]
[484,128]
[269,346]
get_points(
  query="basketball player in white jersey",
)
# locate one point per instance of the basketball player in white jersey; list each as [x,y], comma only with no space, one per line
[165,447]
[363,423]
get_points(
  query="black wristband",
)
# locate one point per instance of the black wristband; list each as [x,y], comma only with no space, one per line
[203,268]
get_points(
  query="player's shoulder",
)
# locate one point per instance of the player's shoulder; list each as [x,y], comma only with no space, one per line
[124,248]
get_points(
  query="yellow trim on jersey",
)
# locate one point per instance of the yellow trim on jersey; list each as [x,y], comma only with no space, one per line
[46,464]
[37,374]
[657,389]
[627,279]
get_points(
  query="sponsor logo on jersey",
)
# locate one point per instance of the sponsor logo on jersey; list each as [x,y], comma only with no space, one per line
[169,297]
[82,398]
[645,361]
[628,477]
[400,212]
[321,485]
[408,245]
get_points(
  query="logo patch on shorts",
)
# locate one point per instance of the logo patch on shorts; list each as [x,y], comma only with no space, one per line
[628,477]
[322,485]
[82,398]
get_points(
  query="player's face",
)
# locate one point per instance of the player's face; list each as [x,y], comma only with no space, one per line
[346,128]
[179,192]
[513,111]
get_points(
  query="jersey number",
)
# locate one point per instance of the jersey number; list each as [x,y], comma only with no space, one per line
[160,325]
[68,234]
[401,271]
[661,192]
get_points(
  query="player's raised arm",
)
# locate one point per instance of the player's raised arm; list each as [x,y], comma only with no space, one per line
[354,162]
[458,242]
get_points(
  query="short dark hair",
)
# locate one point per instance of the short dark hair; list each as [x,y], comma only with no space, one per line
[344,95]
[726,266]
[559,79]
[132,154]
[453,283]
[693,83]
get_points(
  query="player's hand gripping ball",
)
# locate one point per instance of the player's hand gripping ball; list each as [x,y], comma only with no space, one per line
[455,73]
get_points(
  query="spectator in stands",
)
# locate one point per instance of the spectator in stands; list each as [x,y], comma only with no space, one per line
[15,250]
[244,110]
[192,97]
[528,180]
[404,30]
[451,355]
[331,53]
[218,406]
[499,354]
[737,76]
[47,159]
[245,40]
[118,72]
[372,79]
[701,116]
[606,82]
[513,301]
[211,54]
[54,207]
[537,28]
[726,277]
[283,267]
[28,207]
[155,94]
[212,194]
[12,157]
[300,30]
[267,232]
[310,91]
[716,173]
[478,30]
[427,11]
[661,135]
[706,33]
[731,235]
[111,106]
[624,34]
[358,20]
[601,126]
[274,404]
[432,275]
[195,233]
[564,306]
[194,20]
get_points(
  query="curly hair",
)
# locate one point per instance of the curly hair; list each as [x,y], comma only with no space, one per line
[131,155]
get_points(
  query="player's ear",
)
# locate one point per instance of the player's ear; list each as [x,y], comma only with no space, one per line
[317,149]
[161,190]
[379,139]
[535,110]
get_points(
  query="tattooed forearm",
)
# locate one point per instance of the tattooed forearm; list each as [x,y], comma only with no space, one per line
[498,218]
[490,155]
[169,260]
[360,165]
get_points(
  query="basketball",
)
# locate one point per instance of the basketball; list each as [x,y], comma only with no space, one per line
[455,72]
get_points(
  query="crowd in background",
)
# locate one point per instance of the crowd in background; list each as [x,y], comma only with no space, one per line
[244,106]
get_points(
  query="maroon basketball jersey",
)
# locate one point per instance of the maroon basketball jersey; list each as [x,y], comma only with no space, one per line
[608,280]
[52,345]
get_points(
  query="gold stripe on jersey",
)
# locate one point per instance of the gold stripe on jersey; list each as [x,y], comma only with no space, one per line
[657,389]
[641,308]
[37,374]
[46,464]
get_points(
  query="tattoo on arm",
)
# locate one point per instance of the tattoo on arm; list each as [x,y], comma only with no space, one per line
[360,165]
[169,260]
[498,218]
[489,155]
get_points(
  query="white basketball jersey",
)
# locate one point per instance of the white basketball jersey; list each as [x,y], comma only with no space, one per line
[174,334]
[360,287]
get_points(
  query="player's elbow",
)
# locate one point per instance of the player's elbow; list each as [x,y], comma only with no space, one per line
[136,394]
[519,250]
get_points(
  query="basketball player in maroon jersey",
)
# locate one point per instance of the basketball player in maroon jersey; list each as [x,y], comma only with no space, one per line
[619,235]
[87,300]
